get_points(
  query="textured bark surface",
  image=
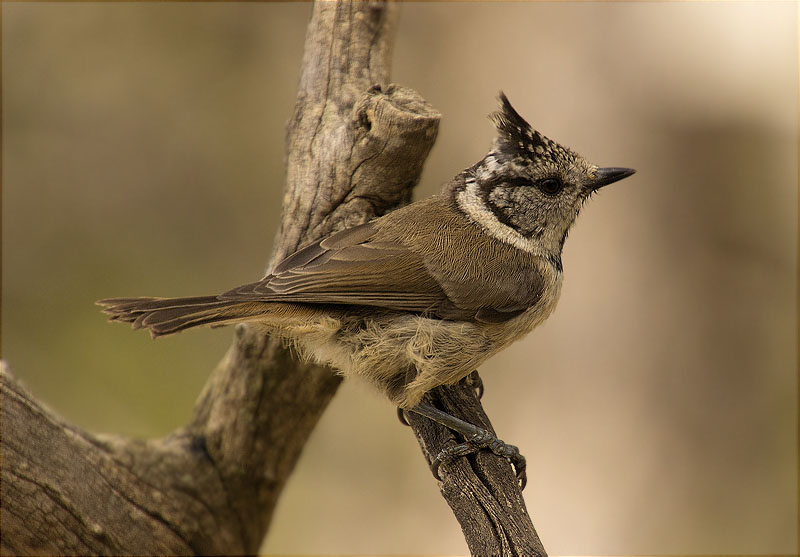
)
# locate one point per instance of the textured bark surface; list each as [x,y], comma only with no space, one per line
[355,149]
[481,489]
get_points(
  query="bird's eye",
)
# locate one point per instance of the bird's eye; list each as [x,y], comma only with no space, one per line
[550,186]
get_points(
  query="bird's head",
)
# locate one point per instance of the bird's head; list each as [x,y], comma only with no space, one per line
[529,189]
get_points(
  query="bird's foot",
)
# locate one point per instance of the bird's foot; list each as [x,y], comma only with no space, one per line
[483,439]
[475,439]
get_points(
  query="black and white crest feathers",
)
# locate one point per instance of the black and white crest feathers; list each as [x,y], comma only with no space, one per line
[516,138]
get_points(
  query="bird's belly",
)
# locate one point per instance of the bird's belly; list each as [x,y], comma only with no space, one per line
[410,351]
[417,352]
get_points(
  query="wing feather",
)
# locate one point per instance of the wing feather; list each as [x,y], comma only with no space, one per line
[347,268]
[407,266]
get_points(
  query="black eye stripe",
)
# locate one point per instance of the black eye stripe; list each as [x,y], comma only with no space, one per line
[519,183]
[548,186]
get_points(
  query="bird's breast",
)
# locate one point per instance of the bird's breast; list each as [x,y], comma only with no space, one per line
[518,327]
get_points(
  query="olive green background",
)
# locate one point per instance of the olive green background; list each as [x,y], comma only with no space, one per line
[142,155]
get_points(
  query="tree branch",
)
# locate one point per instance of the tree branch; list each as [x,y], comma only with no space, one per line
[355,149]
[481,489]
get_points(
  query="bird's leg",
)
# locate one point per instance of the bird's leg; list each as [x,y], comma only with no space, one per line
[475,439]
[474,380]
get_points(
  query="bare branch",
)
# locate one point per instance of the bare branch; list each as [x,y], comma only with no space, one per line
[481,489]
[355,149]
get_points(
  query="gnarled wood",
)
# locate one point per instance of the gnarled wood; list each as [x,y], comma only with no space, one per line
[355,149]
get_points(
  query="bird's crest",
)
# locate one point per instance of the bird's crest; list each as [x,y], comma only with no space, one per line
[517,139]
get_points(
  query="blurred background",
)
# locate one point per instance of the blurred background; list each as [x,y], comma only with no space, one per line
[142,155]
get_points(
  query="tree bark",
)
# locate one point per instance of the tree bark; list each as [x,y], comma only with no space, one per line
[481,489]
[355,150]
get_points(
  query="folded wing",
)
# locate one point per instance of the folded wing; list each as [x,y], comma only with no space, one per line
[352,268]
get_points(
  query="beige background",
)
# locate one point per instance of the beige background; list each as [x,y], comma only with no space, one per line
[142,155]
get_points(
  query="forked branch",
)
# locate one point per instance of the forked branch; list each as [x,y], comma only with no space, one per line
[355,149]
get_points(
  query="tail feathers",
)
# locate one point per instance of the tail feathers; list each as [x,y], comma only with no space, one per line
[164,316]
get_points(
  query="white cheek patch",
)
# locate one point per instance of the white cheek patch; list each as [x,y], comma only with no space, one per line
[470,202]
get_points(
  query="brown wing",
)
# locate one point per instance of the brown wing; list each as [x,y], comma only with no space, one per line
[426,260]
[493,281]
[351,268]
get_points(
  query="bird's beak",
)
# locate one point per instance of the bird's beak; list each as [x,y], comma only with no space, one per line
[609,175]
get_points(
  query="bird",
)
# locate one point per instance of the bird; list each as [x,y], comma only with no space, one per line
[423,295]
